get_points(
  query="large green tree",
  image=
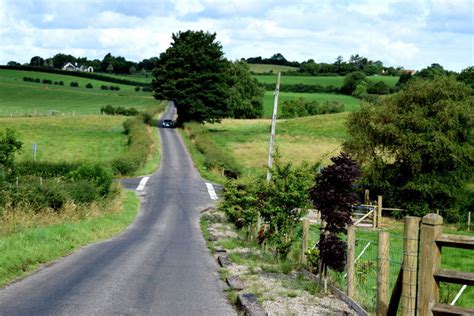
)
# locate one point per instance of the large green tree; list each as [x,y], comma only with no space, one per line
[245,96]
[417,145]
[193,73]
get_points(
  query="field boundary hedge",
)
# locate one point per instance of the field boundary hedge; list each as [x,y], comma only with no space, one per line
[302,88]
[89,75]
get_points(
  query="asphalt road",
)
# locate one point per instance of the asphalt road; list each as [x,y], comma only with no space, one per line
[159,266]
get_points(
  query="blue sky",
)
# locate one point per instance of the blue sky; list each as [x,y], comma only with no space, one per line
[412,34]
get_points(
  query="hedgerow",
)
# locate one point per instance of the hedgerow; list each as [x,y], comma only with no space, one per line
[216,157]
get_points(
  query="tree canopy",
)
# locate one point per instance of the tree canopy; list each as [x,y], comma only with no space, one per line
[204,86]
[416,146]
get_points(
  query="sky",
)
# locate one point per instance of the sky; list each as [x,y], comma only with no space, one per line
[412,34]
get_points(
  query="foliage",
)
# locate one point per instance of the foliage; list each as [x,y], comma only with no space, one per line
[281,203]
[119,110]
[416,146]
[139,142]
[301,107]
[467,76]
[74,84]
[240,201]
[89,85]
[97,174]
[216,157]
[9,145]
[351,81]
[245,95]
[333,196]
[193,74]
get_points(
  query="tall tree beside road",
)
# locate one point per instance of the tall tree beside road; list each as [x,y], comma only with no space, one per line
[417,146]
[193,74]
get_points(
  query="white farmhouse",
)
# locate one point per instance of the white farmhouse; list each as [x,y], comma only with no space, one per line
[75,67]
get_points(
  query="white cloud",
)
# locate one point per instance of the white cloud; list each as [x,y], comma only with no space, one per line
[400,33]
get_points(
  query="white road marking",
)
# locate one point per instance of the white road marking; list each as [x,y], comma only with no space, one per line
[212,192]
[142,184]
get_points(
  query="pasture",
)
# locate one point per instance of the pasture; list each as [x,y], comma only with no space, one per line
[311,139]
[21,98]
[350,102]
[70,139]
[325,81]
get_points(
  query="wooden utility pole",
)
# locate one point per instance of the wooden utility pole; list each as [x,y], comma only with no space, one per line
[272,133]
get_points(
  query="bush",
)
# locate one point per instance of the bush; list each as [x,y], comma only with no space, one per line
[137,89]
[37,80]
[82,191]
[97,174]
[61,83]
[104,87]
[110,110]
[45,169]
[301,107]
[74,84]
[47,81]
[30,193]
[114,88]
[89,86]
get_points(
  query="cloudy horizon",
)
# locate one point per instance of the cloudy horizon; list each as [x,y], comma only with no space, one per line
[410,34]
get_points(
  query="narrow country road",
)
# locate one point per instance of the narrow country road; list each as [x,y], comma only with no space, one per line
[158,266]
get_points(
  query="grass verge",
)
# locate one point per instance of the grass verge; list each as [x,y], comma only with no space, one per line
[30,246]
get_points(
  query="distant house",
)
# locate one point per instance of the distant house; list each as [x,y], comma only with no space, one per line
[408,71]
[75,67]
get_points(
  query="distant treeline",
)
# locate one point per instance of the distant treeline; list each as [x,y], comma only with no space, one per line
[110,63]
[339,67]
[89,75]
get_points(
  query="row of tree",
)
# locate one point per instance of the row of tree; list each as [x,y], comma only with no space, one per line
[338,67]
[110,63]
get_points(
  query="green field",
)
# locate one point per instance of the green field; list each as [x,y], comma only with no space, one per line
[311,139]
[336,81]
[21,98]
[350,103]
[146,78]
[71,139]
[262,68]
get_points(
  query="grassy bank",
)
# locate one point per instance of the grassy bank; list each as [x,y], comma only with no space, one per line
[350,102]
[37,239]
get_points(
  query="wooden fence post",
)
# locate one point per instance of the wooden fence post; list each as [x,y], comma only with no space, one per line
[410,262]
[429,263]
[304,244]
[383,273]
[351,261]
[366,197]
[379,211]
[469,221]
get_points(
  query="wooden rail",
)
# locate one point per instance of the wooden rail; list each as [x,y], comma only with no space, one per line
[456,277]
[456,241]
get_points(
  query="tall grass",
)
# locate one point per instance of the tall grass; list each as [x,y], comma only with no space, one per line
[28,240]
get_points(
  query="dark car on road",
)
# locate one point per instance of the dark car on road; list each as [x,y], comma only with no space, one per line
[167,123]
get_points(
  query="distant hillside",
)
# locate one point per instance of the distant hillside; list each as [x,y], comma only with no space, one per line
[264,68]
